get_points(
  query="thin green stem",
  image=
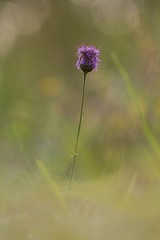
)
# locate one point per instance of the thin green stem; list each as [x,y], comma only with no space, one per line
[78,133]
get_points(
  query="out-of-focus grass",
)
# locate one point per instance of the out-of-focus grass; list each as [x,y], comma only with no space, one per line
[122,206]
[151,138]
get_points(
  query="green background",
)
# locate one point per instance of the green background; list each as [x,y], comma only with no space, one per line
[115,191]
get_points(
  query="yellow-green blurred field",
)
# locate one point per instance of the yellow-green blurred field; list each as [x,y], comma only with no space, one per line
[115,191]
[121,206]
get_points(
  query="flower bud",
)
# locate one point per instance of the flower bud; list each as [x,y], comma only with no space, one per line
[87,58]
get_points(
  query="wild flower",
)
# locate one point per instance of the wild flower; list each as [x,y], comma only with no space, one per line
[88,58]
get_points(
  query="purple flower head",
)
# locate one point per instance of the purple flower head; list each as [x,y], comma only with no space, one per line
[87,58]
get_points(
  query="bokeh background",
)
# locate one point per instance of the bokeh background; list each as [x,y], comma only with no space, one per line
[40,95]
[40,88]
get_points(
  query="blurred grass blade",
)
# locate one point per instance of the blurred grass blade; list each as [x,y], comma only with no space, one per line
[130,189]
[52,184]
[151,138]
[18,138]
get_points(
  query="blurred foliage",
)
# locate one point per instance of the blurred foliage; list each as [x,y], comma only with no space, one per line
[115,193]
[121,206]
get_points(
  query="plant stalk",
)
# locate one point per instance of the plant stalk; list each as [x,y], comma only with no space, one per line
[78,132]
